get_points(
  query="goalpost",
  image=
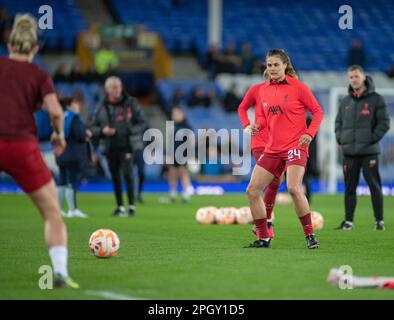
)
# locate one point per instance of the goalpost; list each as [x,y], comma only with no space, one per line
[332,171]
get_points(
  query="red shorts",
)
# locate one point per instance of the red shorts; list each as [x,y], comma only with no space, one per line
[257,153]
[277,163]
[22,160]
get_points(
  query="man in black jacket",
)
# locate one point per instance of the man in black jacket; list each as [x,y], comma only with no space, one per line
[361,122]
[113,125]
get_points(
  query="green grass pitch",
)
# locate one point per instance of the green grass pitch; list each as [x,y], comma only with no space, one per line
[165,254]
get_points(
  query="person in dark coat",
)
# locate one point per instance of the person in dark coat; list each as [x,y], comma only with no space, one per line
[360,124]
[356,54]
[177,168]
[311,170]
[73,160]
[113,125]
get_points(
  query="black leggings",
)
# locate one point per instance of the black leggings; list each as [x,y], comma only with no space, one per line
[139,162]
[120,162]
[351,170]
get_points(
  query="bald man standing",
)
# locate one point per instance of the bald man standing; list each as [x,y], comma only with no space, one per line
[114,122]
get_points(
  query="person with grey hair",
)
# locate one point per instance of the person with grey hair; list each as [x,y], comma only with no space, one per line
[114,124]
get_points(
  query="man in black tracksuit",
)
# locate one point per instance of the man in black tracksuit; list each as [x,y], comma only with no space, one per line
[361,122]
[113,125]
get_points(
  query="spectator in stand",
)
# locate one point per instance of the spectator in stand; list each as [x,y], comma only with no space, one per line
[91,75]
[198,97]
[356,55]
[231,101]
[214,60]
[213,96]
[247,58]
[61,74]
[390,72]
[5,25]
[258,67]
[178,98]
[106,60]
[76,74]
[232,62]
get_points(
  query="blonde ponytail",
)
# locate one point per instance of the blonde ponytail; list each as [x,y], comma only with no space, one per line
[23,37]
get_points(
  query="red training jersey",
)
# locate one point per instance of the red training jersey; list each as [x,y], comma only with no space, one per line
[23,86]
[282,109]
[261,139]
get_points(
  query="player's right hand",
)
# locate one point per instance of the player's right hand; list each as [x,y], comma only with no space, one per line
[59,143]
[255,129]
[107,131]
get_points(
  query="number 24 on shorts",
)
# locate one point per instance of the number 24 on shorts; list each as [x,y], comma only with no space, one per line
[293,154]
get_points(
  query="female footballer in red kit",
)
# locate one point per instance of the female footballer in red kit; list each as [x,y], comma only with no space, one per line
[258,145]
[282,103]
[23,89]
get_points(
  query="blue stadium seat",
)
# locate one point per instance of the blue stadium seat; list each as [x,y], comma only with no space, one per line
[307,28]
[67,21]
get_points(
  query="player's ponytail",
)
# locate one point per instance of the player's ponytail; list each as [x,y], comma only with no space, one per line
[285,59]
[23,37]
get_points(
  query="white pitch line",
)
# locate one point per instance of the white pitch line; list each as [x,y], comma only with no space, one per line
[111,295]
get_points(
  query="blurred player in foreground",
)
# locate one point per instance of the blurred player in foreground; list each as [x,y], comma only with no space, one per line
[338,278]
[23,88]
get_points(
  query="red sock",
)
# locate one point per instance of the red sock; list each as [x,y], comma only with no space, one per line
[306,222]
[261,228]
[269,197]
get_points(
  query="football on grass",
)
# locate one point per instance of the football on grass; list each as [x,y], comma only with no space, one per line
[104,243]
[317,220]
[226,215]
[243,216]
[206,215]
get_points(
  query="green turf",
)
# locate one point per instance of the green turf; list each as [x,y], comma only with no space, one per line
[165,254]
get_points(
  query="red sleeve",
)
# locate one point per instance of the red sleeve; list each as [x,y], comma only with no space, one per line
[46,86]
[261,119]
[310,102]
[248,101]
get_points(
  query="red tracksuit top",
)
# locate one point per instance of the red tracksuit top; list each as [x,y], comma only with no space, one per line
[249,100]
[282,109]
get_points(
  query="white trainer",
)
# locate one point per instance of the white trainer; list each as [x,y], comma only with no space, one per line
[77,214]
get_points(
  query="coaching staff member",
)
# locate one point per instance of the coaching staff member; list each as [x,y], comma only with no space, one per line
[113,125]
[361,122]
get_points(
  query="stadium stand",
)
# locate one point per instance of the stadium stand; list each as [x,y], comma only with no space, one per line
[183,28]
[67,21]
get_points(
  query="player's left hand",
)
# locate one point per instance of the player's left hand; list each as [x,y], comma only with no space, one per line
[305,140]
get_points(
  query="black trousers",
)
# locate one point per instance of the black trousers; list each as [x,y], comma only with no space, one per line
[120,164]
[71,174]
[140,164]
[351,171]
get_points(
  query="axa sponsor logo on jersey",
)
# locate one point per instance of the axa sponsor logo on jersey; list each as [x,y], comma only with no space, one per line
[275,110]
